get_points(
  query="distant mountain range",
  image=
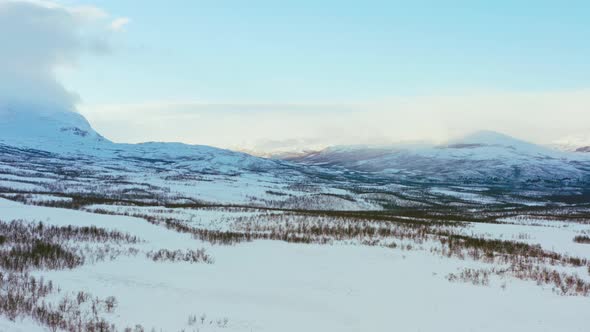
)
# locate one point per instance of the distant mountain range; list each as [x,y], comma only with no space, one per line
[64,147]
[480,157]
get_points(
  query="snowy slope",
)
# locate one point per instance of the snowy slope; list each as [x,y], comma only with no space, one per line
[277,286]
[69,133]
[482,156]
[67,156]
[49,130]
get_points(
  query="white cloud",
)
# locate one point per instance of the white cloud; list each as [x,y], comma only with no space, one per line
[37,37]
[119,23]
[84,12]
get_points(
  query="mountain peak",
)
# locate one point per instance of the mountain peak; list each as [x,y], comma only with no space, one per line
[490,138]
[45,128]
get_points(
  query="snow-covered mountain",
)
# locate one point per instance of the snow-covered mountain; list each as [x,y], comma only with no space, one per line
[73,158]
[66,155]
[483,156]
[48,130]
[69,133]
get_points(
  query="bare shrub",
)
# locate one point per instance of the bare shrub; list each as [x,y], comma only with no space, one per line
[25,246]
[191,256]
[478,277]
[22,295]
[582,239]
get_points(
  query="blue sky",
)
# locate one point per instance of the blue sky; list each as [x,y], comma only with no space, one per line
[292,51]
[187,70]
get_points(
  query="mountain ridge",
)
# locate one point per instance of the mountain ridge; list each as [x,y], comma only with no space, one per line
[480,156]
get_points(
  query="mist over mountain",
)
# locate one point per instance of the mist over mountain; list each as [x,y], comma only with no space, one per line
[483,156]
[575,143]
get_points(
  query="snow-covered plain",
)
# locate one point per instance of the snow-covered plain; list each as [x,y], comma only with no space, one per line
[277,286]
[551,235]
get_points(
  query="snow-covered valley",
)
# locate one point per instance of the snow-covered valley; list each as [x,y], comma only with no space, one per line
[279,286]
[486,234]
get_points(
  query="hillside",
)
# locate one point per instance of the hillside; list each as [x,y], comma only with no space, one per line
[483,157]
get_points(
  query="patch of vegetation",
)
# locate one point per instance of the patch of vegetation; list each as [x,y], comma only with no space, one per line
[39,255]
[203,321]
[478,277]
[22,295]
[34,246]
[562,283]
[25,246]
[190,256]
[582,239]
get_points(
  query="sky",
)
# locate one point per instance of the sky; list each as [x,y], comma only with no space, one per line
[280,75]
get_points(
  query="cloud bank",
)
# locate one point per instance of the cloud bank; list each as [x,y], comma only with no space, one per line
[37,38]
[540,117]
